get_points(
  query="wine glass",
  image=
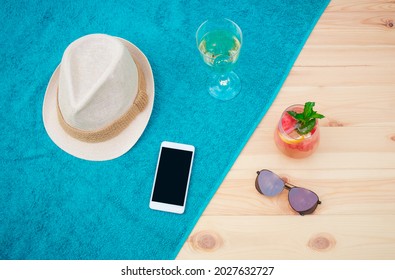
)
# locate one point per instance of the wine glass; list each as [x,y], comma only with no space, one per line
[219,42]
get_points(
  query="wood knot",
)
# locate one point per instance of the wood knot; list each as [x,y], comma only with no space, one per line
[322,242]
[389,23]
[206,241]
[335,123]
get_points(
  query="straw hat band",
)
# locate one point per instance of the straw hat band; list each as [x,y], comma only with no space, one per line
[117,126]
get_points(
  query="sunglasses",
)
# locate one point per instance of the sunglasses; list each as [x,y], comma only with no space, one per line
[301,200]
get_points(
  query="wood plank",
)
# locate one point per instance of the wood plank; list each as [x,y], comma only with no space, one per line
[320,159]
[343,106]
[330,56]
[363,21]
[344,38]
[341,76]
[338,140]
[292,237]
[339,191]
[358,28]
[360,6]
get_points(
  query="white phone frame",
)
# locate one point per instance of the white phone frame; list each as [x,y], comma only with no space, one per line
[165,206]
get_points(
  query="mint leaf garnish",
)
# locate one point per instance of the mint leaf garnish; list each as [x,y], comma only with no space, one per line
[308,109]
[296,115]
[317,116]
[307,119]
[306,127]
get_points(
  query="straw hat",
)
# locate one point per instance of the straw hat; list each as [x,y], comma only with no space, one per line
[100,98]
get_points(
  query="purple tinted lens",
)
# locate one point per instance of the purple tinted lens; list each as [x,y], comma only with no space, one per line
[269,183]
[302,200]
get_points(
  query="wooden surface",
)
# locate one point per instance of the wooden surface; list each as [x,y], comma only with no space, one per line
[348,68]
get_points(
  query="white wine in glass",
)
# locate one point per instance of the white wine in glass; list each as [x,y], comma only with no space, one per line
[219,42]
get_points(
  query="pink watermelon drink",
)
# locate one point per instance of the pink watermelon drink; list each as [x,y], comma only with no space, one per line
[297,134]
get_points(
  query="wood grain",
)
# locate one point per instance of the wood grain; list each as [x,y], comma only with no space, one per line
[360,23]
[360,6]
[348,68]
[350,56]
[273,237]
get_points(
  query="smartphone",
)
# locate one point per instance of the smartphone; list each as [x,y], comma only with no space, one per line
[173,171]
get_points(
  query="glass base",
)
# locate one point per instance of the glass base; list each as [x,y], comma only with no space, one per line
[224,86]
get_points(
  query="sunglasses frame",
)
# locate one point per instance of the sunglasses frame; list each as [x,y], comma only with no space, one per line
[288,187]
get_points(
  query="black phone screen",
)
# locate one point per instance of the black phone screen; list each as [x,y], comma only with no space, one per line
[172,176]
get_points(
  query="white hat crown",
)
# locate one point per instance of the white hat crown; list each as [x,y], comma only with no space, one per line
[98,82]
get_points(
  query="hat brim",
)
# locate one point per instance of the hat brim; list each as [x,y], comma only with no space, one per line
[109,149]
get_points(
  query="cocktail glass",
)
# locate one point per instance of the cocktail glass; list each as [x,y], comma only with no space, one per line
[289,141]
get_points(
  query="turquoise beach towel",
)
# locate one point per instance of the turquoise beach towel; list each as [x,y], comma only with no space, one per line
[55,206]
